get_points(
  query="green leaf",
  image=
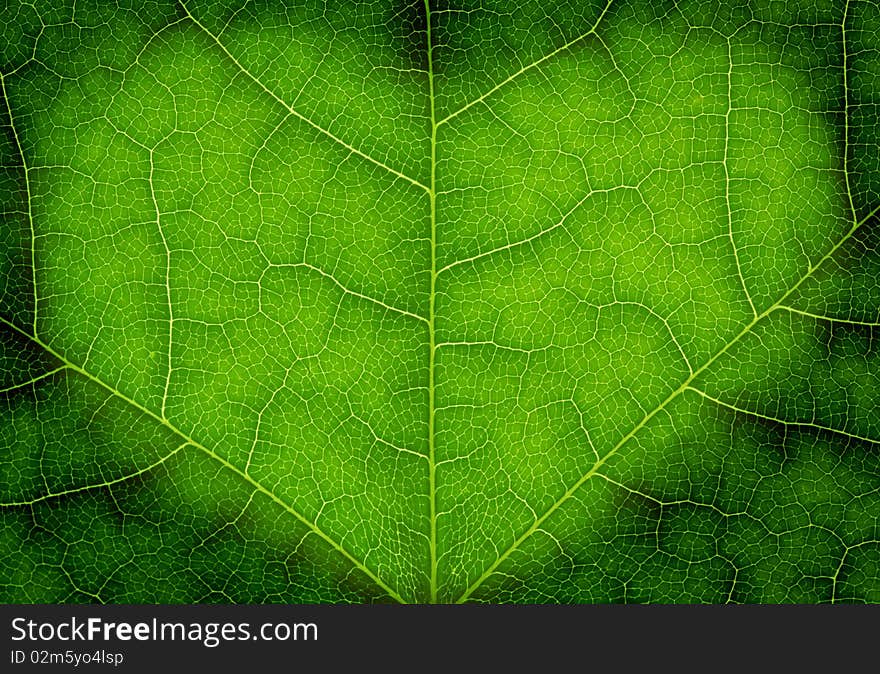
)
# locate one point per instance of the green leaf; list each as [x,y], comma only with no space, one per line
[385,301]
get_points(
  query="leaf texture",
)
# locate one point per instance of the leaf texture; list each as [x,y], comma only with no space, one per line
[430,302]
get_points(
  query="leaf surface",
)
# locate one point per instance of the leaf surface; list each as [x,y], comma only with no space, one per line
[567,302]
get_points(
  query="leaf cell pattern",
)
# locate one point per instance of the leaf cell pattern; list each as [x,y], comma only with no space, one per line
[440,302]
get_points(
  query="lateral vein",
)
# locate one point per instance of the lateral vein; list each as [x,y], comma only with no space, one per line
[222,461]
[650,415]
[784,422]
[295,112]
[525,69]
[27,187]
[101,485]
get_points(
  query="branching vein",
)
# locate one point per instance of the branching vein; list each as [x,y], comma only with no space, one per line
[684,386]
[212,454]
[295,112]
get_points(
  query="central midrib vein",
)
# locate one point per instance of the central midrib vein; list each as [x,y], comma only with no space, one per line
[432,340]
